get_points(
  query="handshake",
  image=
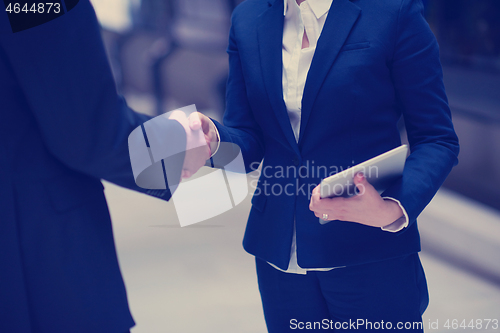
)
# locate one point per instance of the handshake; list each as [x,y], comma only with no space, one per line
[202,140]
[163,153]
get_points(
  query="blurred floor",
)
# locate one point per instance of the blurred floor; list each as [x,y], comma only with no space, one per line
[199,279]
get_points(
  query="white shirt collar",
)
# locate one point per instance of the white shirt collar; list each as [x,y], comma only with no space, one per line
[319,7]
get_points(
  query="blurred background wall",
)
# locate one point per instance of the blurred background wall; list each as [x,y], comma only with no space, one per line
[468,33]
[168,53]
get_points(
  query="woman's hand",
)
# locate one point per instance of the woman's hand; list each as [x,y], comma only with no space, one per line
[367,207]
[197,148]
[208,128]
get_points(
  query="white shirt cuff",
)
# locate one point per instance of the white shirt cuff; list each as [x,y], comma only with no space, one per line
[218,140]
[400,223]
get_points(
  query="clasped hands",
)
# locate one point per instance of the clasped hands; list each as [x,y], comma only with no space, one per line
[367,208]
[201,140]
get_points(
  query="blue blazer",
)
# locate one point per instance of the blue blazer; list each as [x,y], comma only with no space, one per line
[62,128]
[375,62]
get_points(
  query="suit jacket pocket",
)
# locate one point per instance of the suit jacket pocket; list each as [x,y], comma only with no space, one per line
[355,46]
[259,202]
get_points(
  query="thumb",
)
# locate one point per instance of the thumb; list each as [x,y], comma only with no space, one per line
[194,122]
[362,184]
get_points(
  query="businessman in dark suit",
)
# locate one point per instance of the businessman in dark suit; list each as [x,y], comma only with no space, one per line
[62,129]
[315,87]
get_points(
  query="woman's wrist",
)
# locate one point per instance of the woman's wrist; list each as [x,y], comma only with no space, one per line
[393,211]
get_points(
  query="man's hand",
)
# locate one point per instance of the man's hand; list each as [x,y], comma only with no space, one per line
[367,208]
[208,130]
[197,148]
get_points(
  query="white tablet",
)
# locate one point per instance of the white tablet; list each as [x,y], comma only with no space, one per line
[380,171]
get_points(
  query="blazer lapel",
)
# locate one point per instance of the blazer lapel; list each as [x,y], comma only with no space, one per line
[341,18]
[270,37]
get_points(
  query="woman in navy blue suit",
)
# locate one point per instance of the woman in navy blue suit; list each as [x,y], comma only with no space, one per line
[320,85]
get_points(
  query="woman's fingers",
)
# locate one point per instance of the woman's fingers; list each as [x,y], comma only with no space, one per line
[363,186]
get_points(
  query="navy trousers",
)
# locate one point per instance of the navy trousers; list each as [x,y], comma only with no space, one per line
[385,295]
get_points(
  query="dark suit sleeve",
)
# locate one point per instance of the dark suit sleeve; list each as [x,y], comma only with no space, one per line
[240,125]
[62,69]
[418,82]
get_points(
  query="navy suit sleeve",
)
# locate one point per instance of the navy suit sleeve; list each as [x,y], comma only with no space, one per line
[240,125]
[62,69]
[418,82]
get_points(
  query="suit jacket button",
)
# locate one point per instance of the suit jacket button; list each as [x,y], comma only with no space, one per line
[296,161]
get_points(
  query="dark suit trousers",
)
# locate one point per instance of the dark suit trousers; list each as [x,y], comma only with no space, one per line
[389,294]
